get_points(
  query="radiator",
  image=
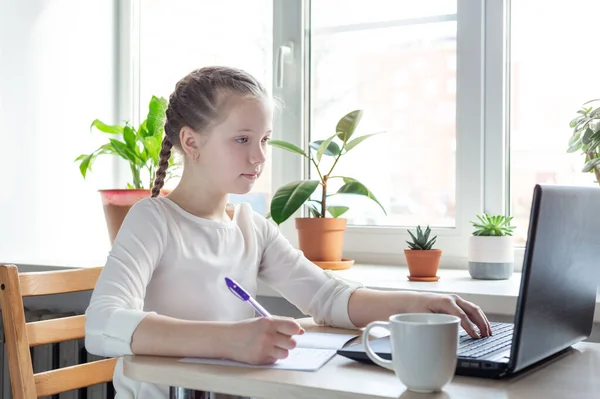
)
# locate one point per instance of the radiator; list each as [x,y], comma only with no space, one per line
[53,356]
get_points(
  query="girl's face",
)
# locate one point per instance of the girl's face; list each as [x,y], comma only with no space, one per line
[233,153]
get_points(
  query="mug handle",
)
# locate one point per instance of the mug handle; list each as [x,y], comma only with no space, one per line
[372,355]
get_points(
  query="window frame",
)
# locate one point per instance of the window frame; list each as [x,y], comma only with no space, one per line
[128,75]
[482,139]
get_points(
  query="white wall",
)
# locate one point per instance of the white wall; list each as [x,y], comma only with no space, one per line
[58,66]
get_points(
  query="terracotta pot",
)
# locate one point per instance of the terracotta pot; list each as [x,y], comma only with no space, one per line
[423,263]
[321,239]
[116,204]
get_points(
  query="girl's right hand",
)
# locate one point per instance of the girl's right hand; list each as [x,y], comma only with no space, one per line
[262,340]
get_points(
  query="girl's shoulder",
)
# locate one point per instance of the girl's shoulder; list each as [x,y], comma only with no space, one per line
[264,227]
[146,213]
[147,207]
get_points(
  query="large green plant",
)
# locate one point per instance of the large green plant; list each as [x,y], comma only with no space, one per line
[586,136]
[139,147]
[289,198]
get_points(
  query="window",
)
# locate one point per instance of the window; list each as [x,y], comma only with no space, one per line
[389,58]
[178,36]
[417,70]
[552,74]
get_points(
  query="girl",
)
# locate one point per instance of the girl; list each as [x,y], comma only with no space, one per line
[162,290]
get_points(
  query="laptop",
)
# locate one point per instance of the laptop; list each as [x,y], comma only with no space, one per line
[557,297]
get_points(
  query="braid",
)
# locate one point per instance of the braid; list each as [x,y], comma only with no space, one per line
[161,173]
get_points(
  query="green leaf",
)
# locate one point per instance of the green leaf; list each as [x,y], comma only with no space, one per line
[574,147]
[421,241]
[347,125]
[129,137]
[327,147]
[153,145]
[496,225]
[581,126]
[591,101]
[594,125]
[337,211]
[86,164]
[353,186]
[124,152]
[594,144]
[591,165]
[575,121]
[586,138]
[103,127]
[155,122]
[106,149]
[350,145]
[289,198]
[143,130]
[574,139]
[314,211]
[288,146]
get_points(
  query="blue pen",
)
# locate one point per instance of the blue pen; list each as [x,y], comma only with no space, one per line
[241,293]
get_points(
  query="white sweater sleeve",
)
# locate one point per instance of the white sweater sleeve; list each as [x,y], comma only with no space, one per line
[116,306]
[314,291]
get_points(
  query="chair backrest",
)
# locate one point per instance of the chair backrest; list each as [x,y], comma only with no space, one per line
[20,335]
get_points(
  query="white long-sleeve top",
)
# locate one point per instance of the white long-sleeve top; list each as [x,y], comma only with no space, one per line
[167,261]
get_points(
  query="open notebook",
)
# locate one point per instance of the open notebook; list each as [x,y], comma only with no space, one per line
[313,350]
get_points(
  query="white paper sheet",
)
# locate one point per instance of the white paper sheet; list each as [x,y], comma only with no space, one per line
[313,350]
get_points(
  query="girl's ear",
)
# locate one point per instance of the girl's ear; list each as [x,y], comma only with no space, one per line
[189,140]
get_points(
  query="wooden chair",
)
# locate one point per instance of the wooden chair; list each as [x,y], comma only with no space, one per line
[20,336]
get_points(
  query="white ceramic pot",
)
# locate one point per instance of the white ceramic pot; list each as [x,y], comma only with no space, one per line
[491,258]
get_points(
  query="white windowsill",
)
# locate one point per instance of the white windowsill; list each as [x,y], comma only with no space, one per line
[498,297]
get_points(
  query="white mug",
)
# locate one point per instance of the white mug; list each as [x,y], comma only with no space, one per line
[424,347]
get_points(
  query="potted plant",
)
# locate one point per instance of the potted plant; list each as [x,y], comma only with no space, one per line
[321,235]
[140,147]
[423,260]
[586,136]
[491,249]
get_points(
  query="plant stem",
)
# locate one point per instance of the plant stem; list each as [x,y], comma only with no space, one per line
[151,174]
[324,181]
[317,167]
[596,169]
[136,176]
[336,160]
[324,197]
[324,184]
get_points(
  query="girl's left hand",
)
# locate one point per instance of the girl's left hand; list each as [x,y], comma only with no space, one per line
[470,314]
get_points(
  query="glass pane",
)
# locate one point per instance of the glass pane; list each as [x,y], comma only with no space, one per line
[179,36]
[403,75]
[553,72]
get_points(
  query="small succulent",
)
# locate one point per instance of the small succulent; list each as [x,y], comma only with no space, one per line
[421,241]
[495,225]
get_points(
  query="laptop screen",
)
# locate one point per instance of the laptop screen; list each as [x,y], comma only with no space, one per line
[561,272]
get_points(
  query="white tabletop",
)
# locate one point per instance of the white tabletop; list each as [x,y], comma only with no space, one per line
[573,375]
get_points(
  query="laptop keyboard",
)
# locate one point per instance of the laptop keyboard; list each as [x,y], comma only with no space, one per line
[476,348]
